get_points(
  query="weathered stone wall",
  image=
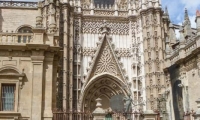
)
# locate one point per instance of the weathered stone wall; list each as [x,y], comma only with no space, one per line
[12,19]
[39,72]
[193,88]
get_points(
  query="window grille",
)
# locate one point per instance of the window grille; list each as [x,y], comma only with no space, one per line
[7,97]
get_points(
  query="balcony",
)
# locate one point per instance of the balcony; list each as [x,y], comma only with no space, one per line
[16,38]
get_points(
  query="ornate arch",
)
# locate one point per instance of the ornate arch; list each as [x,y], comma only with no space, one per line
[102,84]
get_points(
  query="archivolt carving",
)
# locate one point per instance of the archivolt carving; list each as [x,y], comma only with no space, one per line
[106,62]
[116,28]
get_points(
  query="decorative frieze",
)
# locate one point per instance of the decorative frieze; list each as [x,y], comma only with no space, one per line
[93,27]
[120,52]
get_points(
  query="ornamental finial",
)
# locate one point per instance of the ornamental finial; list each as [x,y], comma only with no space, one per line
[105,29]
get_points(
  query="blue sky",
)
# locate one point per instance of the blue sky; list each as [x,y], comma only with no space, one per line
[176,9]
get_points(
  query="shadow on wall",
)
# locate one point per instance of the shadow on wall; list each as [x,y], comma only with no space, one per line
[177,96]
[177,100]
[1,20]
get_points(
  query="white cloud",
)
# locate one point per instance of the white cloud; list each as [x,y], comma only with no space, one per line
[177,33]
[192,20]
[191,5]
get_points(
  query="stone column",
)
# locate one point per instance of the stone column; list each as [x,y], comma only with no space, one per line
[150,115]
[197,115]
[37,81]
[99,113]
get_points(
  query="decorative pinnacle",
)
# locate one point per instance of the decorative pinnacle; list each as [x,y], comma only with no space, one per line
[186,14]
[166,11]
[104,28]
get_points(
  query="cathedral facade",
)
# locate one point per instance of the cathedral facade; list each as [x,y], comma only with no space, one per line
[66,54]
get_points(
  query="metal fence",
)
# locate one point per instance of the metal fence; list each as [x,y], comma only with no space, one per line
[63,115]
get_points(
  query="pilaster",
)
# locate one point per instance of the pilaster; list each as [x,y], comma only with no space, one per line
[48,85]
[37,84]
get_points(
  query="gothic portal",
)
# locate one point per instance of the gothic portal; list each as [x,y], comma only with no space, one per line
[65,54]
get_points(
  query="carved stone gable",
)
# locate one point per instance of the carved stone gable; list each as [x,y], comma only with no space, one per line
[105,61]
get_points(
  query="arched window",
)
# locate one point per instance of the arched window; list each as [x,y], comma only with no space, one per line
[24,35]
[104,2]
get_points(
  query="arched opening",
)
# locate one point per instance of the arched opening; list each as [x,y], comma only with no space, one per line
[103,87]
[104,2]
[24,34]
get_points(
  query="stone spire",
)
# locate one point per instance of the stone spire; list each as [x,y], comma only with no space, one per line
[166,11]
[187,24]
[186,14]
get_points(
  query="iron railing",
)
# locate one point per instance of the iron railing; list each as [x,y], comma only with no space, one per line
[63,115]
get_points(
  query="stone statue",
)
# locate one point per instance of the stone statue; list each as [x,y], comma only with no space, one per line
[128,102]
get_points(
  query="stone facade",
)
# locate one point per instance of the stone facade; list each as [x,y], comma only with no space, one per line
[64,54]
[181,69]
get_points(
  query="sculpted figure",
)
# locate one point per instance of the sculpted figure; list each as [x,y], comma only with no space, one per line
[128,102]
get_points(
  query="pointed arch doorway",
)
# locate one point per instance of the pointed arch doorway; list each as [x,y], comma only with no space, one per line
[103,86]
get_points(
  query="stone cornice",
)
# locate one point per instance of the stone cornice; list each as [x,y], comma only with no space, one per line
[9,114]
[37,46]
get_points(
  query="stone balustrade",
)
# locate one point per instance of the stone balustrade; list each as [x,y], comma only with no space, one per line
[18,4]
[15,38]
[190,46]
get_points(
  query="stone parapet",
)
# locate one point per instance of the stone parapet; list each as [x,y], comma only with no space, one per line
[18,4]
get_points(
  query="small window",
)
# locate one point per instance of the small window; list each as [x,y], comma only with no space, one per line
[8,97]
[24,35]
